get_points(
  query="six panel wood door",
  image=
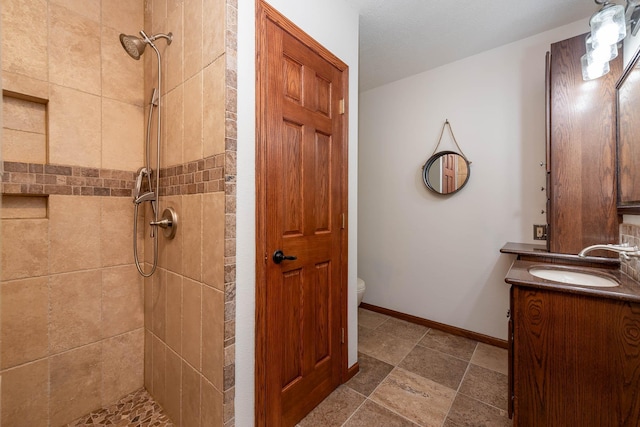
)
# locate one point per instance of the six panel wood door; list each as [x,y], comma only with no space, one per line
[304,163]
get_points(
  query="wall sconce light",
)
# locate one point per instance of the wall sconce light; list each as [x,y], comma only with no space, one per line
[608,27]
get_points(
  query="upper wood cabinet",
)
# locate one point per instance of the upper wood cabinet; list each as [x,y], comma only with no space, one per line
[581,151]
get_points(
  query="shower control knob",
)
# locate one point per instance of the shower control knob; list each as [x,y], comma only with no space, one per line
[279,256]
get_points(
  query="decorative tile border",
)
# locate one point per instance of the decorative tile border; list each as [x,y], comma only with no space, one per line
[230,170]
[630,233]
[39,179]
[202,176]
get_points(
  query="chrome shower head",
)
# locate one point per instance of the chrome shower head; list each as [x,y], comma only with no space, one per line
[135,45]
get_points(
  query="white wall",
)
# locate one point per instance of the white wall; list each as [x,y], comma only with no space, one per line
[334,24]
[438,257]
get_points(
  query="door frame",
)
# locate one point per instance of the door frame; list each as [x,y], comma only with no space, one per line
[264,13]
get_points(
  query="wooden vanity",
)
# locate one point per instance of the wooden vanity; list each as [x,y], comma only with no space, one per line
[574,351]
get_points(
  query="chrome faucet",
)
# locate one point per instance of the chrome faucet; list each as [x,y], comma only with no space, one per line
[624,249]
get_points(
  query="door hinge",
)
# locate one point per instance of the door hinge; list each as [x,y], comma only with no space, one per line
[342,338]
[343,221]
[341,107]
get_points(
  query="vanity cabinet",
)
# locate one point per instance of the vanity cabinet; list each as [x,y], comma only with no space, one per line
[575,359]
[581,151]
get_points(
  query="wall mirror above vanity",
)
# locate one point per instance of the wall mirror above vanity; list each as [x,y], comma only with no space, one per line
[628,137]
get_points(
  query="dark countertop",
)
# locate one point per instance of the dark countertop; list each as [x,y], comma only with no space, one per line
[629,289]
[531,250]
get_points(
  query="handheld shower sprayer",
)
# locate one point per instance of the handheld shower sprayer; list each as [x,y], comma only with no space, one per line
[135,46]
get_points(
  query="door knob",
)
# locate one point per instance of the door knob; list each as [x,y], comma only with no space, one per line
[279,256]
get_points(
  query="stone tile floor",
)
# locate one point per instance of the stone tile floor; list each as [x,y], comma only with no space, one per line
[411,375]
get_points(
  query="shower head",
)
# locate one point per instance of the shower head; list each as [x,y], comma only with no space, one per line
[135,45]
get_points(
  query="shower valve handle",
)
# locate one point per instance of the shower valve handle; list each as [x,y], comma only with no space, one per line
[279,256]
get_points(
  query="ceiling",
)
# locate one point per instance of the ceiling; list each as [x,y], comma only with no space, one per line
[399,38]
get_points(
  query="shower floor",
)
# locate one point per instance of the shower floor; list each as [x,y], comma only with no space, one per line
[137,409]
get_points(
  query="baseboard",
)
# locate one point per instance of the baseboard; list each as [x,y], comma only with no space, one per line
[439,326]
[351,372]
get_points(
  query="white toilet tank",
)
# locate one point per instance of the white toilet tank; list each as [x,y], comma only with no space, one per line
[361,288]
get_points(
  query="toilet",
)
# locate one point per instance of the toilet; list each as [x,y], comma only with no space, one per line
[361,288]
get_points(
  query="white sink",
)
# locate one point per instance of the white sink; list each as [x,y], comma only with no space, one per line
[573,277]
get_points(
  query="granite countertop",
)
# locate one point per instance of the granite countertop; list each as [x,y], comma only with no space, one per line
[629,289]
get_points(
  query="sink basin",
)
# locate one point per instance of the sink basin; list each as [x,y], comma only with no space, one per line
[574,277]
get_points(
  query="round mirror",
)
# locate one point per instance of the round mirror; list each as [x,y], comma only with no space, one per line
[446,172]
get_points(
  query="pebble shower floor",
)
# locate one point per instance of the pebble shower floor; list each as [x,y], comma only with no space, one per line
[137,409]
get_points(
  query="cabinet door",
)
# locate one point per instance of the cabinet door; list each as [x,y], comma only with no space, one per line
[576,360]
[582,157]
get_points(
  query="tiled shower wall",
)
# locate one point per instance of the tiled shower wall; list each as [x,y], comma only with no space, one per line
[189,302]
[72,302]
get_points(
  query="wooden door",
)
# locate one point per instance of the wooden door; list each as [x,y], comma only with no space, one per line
[302,213]
[448,173]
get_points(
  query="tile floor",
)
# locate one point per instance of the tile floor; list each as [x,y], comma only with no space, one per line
[137,409]
[411,375]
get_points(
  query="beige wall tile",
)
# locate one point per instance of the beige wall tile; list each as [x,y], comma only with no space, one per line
[174,53]
[117,230]
[174,126]
[23,24]
[192,322]
[174,312]
[174,386]
[159,16]
[74,54]
[192,147]
[213,219]
[122,300]
[74,127]
[159,366]
[146,229]
[27,147]
[25,248]
[190,396]
[75,238]
[159,303]
[87,8]
[122,135]
[213,335]
[25,85]
[74,310]
[76,379]
[214,105]
[192,236]
[211,405]
[126,16]
[192,37]
[25,395]
[122,76]
[123,365]
[148,303]
[171,250]
[19,114]
[213,29]
[25,321]
[148,361]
